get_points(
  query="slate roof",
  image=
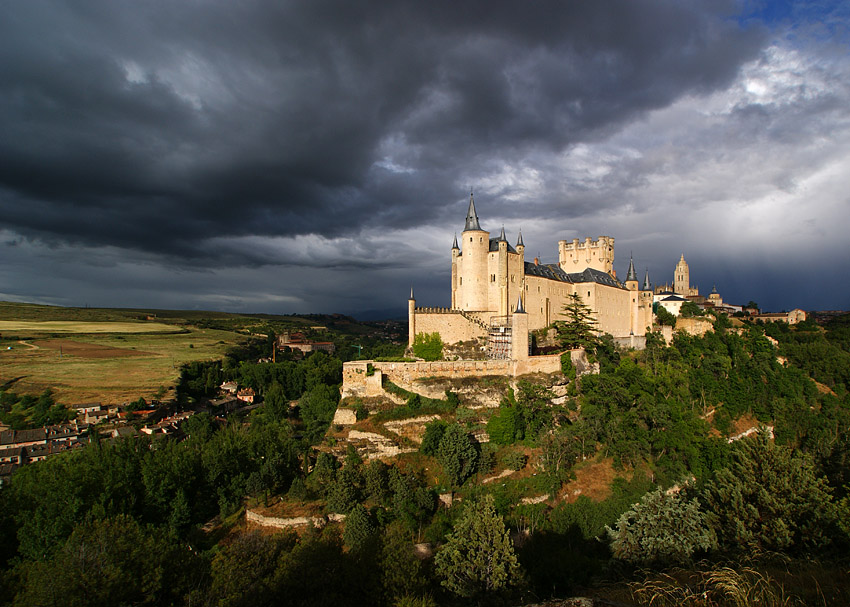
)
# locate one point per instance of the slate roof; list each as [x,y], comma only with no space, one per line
[554,272]
[494,245]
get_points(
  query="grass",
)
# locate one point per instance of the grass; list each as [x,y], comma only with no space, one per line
[36,327]
[114,368]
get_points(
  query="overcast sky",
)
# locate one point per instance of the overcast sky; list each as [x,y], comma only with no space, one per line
[318,156]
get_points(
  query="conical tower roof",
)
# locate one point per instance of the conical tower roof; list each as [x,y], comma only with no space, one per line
[632,275]
[454,244]
[471,217]
[647,286]
[519,308]
[519,241]
[502,235]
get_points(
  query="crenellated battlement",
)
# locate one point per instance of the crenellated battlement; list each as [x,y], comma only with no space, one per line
[577,255]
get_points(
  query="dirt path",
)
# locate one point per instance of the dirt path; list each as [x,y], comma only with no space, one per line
[28,345]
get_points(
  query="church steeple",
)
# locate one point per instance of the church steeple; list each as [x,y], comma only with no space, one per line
[471,217]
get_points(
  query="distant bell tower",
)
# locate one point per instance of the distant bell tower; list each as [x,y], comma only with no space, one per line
[682,278]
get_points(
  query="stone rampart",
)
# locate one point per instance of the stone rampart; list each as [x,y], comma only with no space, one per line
[356,382]
[452,326]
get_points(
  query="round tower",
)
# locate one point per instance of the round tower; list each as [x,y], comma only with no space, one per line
[455,256]
[411,319]
[472,275]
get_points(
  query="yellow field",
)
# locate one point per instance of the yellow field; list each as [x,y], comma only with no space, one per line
[110,362]
[70,326]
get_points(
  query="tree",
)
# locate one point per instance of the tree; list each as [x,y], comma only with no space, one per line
[664,316]
[433,435]
[457,454]
[428,346]
[276,404]
[771,498]
[663,528]
[690,309]
[478,557]
[358,528]
[579,329]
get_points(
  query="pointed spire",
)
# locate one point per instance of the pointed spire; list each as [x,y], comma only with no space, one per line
[519,241]
[454,245]
[632,275]
[646,284]
[519,308]
[471,216]
[411,294]
[502,235]
[714,290]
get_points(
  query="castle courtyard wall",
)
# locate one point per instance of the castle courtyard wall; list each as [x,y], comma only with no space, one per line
[451,325]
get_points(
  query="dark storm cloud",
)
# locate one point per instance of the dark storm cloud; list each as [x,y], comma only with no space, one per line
[161,126]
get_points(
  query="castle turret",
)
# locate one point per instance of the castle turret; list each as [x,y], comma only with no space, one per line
[519,332]
[411,319]
[455,255]
[647,286]
[472,281]
[631,276]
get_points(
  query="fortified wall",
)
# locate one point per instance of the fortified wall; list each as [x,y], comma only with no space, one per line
[356,382]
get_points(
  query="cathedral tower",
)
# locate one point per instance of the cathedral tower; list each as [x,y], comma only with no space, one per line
[682,278]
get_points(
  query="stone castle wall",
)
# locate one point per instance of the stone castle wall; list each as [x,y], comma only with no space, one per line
[451,325]
[356,382]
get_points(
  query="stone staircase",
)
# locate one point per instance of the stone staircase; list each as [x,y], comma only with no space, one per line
[474,319]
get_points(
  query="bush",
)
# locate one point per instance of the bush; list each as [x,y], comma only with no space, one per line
[514,460]
[428,346]
[434,432]
[663,529]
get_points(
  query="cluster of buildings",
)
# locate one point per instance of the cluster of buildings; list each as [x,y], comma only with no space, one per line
[492,283]
[19,447]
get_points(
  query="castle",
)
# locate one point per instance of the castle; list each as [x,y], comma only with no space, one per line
[495,291]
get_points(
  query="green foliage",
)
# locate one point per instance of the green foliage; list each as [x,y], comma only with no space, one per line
[478,559]
[23,412]
[457,454]
[663,529]
[99,564]
[579,328]
[359,528]
[567,366]
[770,498]
[505,427]
[664,317]
[514,460]
[434,432]
[428,346]
[690,310]
[275,402]
[317,408]
[401,572]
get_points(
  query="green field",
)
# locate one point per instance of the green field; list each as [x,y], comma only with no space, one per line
[111,356]
[72,326]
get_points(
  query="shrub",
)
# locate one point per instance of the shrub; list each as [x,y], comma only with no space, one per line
[428,346]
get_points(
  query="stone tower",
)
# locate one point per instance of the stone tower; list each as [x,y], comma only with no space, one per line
[472,285]
[682,278]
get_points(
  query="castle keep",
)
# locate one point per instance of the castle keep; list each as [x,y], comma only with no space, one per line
[494,290]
